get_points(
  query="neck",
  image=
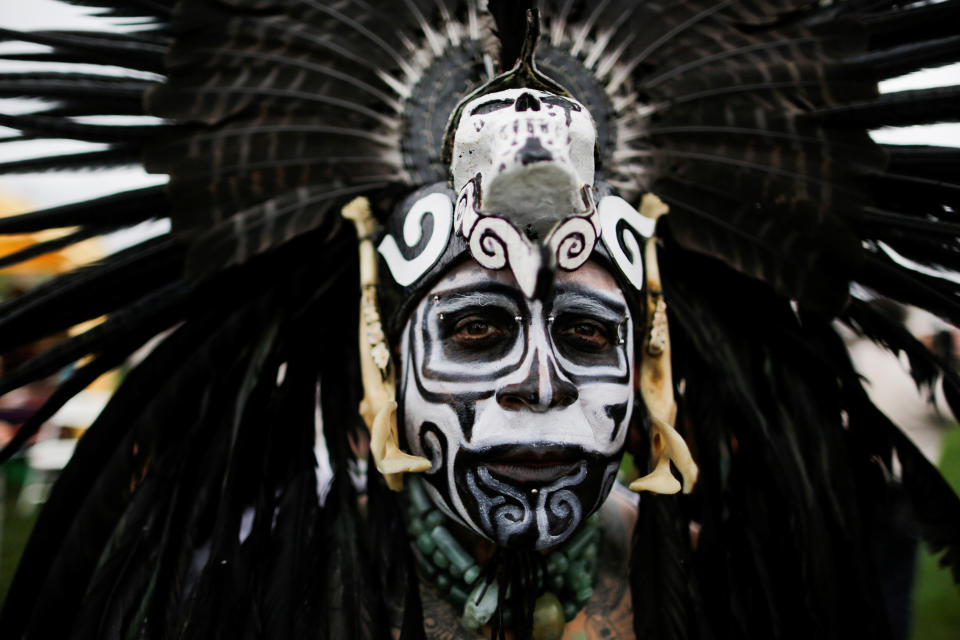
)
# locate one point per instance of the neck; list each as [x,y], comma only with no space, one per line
[491,584]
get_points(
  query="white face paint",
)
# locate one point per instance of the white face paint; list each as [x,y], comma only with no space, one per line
[521,405]
[532,149]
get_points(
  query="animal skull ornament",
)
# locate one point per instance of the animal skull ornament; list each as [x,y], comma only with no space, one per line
[522,406]
[532,150]
[523,169]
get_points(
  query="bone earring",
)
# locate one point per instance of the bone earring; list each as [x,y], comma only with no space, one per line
[656,388]
[379,406]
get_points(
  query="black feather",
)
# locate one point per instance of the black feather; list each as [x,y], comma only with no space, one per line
[121,209]
[510,19]
[920,106]
[57,127]
[906,58]
[90,293]
[119,155]
[136,53]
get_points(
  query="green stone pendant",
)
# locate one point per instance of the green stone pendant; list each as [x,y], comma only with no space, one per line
[548,620]
[479,609]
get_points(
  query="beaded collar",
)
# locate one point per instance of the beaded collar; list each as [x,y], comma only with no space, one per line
[564,579]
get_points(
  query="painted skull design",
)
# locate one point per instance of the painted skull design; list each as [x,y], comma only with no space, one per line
[521,405]
[525,141]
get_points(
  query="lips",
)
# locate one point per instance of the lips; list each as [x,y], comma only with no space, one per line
[533,464]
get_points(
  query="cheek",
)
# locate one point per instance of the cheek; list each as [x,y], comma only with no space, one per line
[608,408]
[424,415]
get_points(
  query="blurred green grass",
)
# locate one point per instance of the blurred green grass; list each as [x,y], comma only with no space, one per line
[936,600]
[16,527]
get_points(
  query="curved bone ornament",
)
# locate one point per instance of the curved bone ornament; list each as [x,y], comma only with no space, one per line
[656,387]
[379,406]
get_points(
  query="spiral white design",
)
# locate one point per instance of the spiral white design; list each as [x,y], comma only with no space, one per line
[573,242]
[502,517]
[562,504]
[405,272]
[612,210]
[495,243]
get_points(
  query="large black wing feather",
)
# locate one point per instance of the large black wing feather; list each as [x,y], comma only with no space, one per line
[749,118]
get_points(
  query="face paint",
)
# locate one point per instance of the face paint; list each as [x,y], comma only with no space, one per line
[520,405]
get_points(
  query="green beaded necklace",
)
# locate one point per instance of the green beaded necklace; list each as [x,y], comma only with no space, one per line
[567,585]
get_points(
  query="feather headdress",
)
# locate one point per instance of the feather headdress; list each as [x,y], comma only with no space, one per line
[190,508]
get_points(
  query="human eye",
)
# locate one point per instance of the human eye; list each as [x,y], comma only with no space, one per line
[479,330]
[584,334]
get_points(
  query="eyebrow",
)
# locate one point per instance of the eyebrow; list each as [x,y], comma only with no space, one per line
[570,296]
[477,295]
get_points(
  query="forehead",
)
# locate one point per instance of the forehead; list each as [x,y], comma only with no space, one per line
[589,276]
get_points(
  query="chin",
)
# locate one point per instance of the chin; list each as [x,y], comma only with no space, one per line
[531,497]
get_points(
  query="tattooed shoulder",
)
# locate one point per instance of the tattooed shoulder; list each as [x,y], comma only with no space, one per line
[440,620]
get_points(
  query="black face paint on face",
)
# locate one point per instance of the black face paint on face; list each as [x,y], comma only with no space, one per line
[520,404]
[529,497]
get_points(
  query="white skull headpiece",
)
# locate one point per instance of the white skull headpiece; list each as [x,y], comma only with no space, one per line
[522,166]
[533,151]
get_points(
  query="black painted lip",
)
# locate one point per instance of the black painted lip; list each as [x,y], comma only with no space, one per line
[532,464]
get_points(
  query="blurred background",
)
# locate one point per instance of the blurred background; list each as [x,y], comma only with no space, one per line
[926,601]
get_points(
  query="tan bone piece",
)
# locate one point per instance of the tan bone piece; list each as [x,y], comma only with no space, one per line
[379,406]
[656,384]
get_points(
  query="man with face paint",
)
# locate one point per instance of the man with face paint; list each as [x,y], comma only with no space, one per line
[520,405]
[513,337]
[517,320]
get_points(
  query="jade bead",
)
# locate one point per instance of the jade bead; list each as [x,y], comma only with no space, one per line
[590,553]
[556,582]
[425,567]
[559,562]
[432,519]
[584,594]
[584,537]
[458,596]
[570,611]
[471,574]
[452,549]
[578,576]
[415,527]
[443,583]
[417,496]
[480,605]
[548,620]
[425,543]
[439,559]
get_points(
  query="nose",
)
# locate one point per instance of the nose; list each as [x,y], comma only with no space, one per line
[543,389]
[527,102]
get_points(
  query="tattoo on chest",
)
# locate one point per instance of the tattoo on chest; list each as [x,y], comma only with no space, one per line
[607,615]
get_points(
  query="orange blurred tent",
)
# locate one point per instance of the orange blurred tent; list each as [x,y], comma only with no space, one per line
[47,264]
